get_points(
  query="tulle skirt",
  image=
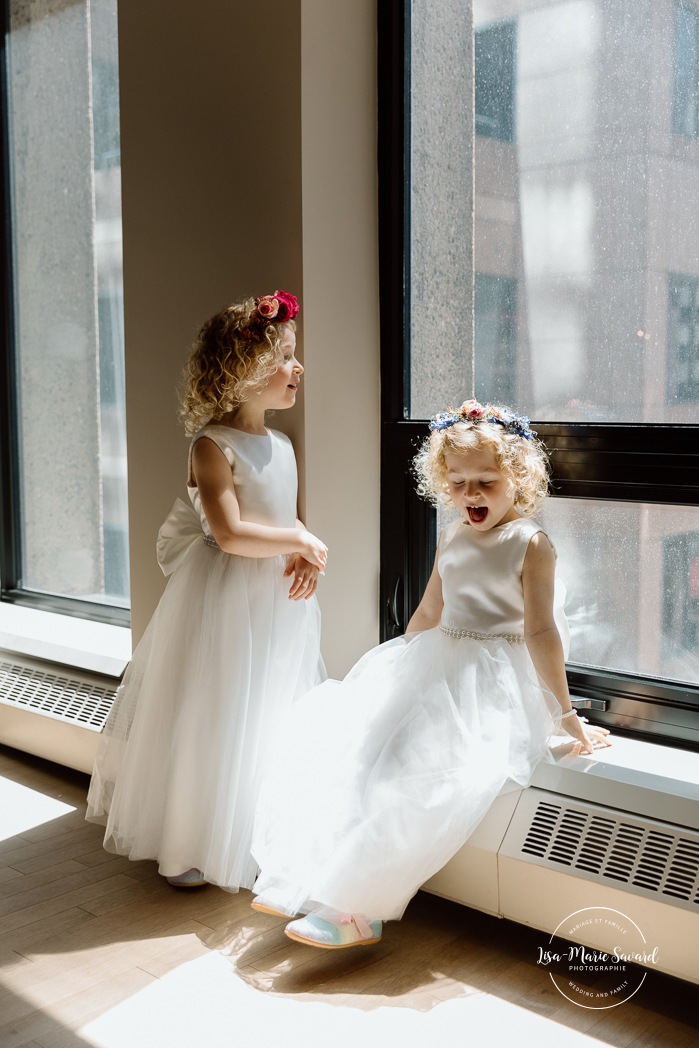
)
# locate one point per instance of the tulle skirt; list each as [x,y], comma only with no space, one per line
[383,776]
[179,766]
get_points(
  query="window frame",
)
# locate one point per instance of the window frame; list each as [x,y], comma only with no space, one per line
[618,462]
[11,591]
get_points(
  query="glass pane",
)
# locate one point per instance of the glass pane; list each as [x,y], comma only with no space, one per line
[632,578]
[587,177]
[67,262]
[631,574]
[440,323]
[586,183]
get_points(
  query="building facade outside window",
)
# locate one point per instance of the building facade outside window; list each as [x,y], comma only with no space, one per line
[496,56]
[495,335]
[64,482]
[683,339]
[685,113]
[681,596]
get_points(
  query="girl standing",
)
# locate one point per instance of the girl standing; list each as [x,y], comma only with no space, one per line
[236,635]
[388,772]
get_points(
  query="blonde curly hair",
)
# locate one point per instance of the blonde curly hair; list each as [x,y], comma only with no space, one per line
[524,462]
[234,355]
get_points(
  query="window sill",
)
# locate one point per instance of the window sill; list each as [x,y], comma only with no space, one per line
[80,643]
[658,782]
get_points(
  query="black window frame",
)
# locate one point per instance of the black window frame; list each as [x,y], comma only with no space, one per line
[635,462]
[11,590]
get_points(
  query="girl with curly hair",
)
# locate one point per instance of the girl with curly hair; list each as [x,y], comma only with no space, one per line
[426,730]
[236,635]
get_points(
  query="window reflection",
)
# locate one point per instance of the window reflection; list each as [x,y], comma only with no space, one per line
[585,200]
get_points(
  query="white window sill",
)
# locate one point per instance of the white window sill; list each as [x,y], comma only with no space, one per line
[81,643]
[660,782]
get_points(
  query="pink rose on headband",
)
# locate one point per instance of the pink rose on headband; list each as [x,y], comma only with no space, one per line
[288,306]
[472,409]
[268,307]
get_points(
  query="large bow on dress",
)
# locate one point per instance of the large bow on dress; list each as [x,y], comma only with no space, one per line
[180,530]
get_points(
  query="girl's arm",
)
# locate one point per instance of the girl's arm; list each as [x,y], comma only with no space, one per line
[429,611]
[212,475]
[543,639]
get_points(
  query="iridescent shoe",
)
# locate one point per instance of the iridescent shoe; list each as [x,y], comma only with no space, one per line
[189,879]
[337,934]
[263,905]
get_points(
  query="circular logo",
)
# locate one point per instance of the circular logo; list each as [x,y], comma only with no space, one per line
[604,976]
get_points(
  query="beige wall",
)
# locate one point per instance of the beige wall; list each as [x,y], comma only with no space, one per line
[340,291]
[248,166]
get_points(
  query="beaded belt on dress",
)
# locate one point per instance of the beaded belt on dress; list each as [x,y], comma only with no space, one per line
[211,541]
[451,631]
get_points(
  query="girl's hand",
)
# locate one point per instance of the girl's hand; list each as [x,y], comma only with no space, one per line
[313,550]
[305,577]
[587,738]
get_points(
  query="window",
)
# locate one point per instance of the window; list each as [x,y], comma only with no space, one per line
[681,604]
[583,222]
[685,111]
[63,439]
[683,338]
[495,52]
[495,336]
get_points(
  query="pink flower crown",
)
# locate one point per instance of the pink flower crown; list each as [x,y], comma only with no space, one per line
[278,308]
[472,411]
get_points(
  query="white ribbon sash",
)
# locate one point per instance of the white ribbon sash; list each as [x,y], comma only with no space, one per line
[178,533]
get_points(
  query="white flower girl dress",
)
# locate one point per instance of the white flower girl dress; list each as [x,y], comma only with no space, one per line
[224,657]
[383,776]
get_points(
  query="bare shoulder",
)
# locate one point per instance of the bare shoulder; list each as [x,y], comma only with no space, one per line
[206,448]
[208,459]
[541,554]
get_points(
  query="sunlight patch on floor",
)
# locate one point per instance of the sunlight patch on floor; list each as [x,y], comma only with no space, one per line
[22,809]
[205,1002]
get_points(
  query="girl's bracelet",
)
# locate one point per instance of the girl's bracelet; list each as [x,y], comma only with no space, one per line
[570,713]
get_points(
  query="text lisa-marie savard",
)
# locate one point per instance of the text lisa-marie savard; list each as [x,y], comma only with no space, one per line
[587,957]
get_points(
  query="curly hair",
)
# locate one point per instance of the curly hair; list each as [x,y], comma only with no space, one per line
[524,462]
[233,357]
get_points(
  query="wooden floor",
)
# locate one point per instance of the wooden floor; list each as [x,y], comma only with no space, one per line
[96,950]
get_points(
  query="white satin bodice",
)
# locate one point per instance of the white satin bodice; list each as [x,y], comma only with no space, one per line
[264,475]
[481,574]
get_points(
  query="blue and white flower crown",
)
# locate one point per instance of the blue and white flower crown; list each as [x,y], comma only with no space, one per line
[472,411]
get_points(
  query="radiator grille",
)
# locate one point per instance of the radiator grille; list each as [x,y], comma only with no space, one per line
[616,849]
[54,694]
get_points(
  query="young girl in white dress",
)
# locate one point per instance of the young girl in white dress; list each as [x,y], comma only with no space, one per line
[386,774]
[235,638]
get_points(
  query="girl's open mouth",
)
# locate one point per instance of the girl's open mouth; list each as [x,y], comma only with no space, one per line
[477,514]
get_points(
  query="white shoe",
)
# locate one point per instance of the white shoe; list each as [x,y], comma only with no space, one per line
[337,933]
[189,879]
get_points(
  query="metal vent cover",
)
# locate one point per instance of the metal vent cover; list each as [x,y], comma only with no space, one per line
[60,695]
[607,846]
